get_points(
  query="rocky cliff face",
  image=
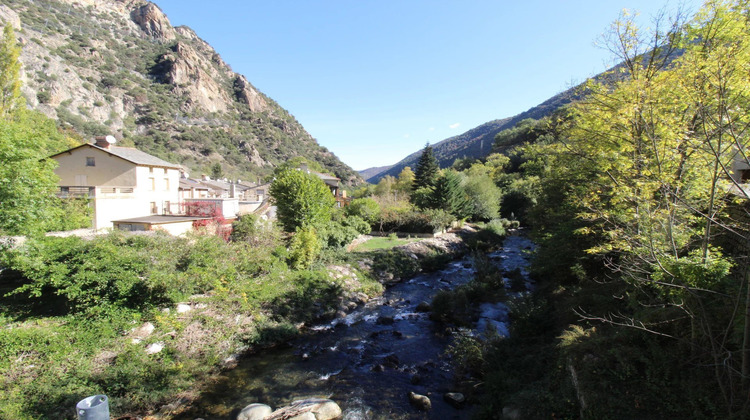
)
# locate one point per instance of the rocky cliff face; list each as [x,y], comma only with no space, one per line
[119,67]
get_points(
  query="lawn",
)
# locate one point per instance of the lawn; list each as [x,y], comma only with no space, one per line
[382,243]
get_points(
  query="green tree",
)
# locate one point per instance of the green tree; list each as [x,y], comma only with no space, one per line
[405,181]
[305,248]
[302,199]
[10,70]
[27,181]
[426,174]
[366,208]
[449,195]
[483,196]
[27,184]
[216,171]
[384,188]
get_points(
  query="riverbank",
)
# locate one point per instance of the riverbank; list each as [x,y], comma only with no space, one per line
[384,360]
[152,358]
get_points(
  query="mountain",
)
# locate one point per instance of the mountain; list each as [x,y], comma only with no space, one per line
[119,67]
[372,172]
[477,142]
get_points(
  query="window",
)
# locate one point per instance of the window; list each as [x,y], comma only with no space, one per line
[165,171]
[167,207]
[166,184]
[150,169]
[154,209]
[153,184]
[90,161]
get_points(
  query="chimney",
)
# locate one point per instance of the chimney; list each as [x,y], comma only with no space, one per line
[104,141]
[232,190]
[205,177]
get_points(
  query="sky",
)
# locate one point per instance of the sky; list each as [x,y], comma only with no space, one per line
[374,81]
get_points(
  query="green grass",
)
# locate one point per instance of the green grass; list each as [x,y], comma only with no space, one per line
[381,243]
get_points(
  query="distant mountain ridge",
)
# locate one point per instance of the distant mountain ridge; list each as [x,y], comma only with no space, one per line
[477,142]
[372,172]
[119,67]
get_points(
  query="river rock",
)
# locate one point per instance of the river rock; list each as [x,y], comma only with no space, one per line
[310,409]
[385,320]
[455,399]
[424,307]
[391,361]
[255,412]
[421,402]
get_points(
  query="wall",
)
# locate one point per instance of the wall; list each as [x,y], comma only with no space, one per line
[108,170]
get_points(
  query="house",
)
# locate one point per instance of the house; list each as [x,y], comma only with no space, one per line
[333,184]
[122,183]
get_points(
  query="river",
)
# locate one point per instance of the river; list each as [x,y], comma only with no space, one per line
[369,361]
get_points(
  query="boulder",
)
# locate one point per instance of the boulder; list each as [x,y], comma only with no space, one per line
[255,412]
[455,399]
[385,320]
[310,409]
[421,402]
[154,348]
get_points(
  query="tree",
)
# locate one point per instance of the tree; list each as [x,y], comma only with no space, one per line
[449,195]
[385,186]
[366,208]
[216,171]
[27,184]
[426,173]
[405,181]
[656,144]
[27,181]
[10,70]
[302,199]
[483,196]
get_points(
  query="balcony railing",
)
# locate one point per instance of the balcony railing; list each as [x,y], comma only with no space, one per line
[69,191]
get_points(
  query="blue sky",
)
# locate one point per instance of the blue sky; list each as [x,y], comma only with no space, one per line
[373,81]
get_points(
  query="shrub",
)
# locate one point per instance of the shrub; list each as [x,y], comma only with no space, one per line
[452,307]
[366,208]
[335,235]
[358,224]
[257,232]
[305,248]
[86,275]
[44,96]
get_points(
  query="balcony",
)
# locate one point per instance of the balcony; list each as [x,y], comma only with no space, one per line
[69,191]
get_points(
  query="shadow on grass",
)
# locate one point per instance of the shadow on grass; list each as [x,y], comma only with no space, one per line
[20,307]
[314,296]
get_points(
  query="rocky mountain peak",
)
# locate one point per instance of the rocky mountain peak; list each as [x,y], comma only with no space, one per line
[119,67]
[153,21]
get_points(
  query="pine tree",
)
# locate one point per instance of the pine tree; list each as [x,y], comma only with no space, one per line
[427,169]
[449,195]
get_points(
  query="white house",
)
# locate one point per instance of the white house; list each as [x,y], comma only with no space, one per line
[121,182]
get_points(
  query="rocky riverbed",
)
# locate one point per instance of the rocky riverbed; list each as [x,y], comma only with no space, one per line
[384,360]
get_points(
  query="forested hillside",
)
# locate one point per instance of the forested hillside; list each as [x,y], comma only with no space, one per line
[636,197]
[119,67]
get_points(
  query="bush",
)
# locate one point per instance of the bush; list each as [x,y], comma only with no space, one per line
[366,208]
[86,275]
[358,224]
[429,221]
[335,235]
[304,249]
[452,306]
[255,231]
